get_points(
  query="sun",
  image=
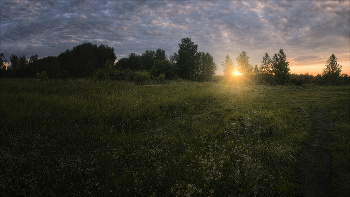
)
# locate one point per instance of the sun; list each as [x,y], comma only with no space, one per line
[236,73]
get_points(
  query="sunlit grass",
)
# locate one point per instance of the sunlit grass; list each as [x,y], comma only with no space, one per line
[78,137]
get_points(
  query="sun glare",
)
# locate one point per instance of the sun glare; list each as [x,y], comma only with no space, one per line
[236,73]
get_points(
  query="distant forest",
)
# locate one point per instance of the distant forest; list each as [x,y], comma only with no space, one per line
[99,63]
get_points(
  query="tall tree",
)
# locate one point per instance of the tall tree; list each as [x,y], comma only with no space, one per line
[3,64]
[105,53]
[14,62]
[228,66]
[244,66]
[19,67]
[66,62]
[331,73]
[123,63]
[148,58]
[162,67]
[266,66]
[22,70]
[280,67]
[135,62]
[84,59]
[205,67]
[160,54]
[52,67]
[256,69]
[3,61]
[173,62]
[186,58]
[33,58]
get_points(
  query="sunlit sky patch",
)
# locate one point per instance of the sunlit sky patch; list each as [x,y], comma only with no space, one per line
[236,73]
[308,31]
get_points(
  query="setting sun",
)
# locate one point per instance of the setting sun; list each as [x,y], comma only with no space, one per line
[236,73]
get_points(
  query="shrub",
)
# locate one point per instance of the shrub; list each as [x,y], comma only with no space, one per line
[63,74]
[42,76]
[217,78]
[100,75]
[116,75]
[128,74]
[141,78]
[161,78]
[162,67]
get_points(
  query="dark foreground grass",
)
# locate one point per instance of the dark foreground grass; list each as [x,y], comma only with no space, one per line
[337,142]
[78,138]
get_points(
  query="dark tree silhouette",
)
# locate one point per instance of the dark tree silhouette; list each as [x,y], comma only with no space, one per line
[3,61]
[162,67]
[266,66]
[84,59]
[205,67]
[33,58]
[14,62]
[122,64]
[135,62]
[186,58]
[160,54]
[280,68]
[148,58]
[105,53]
[3,64]
[18,66]
[264,75]
[331,73]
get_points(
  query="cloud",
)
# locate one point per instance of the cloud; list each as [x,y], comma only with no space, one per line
[305,29]
[307,58]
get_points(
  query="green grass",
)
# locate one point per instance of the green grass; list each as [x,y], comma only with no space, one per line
[337,143]
[78,137]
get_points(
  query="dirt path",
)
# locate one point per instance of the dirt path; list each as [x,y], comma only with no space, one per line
[314,161]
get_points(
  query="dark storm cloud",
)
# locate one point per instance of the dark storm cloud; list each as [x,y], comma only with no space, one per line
[303,28]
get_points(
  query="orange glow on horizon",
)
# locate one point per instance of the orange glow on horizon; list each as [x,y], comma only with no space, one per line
[318,69]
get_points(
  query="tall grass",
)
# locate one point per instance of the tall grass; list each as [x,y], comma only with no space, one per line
[78,137]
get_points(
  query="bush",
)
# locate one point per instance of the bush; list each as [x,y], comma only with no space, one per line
[63,74]
[116,75]
[264,78]
[346,79]
[42,76]
[141,78]
[100,75]
[161,78]
[296,80]
[162,67]
[217,78]
[128,74]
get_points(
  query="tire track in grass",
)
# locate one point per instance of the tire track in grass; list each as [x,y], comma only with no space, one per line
[315,162]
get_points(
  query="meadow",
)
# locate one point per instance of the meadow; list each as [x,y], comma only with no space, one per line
[82,138]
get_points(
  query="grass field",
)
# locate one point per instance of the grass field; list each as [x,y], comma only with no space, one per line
[78,138]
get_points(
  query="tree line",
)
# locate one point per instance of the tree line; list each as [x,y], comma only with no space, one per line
[275,71]
[188,63]
[79,62]
[86,60]
[99,62]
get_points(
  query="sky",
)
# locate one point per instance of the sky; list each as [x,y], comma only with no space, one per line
[308,31]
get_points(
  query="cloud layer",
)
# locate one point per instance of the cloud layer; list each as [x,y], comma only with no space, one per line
[308,31]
